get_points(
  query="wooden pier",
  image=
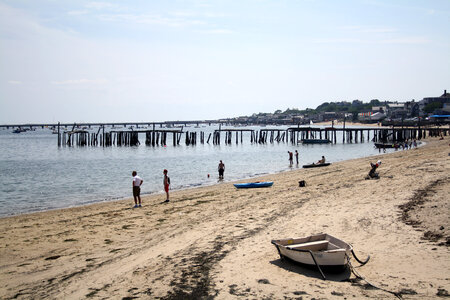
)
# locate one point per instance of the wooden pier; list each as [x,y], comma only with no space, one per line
[293,135]
[102,138]
[355,135]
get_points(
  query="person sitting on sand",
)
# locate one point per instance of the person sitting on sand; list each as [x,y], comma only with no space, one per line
[321,161]
[373,173]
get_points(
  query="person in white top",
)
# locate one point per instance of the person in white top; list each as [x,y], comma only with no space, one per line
[137,182]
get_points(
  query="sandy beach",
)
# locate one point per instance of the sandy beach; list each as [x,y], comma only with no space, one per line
[348,123]
[214,242]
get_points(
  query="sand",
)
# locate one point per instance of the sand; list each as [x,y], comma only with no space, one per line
[214,242]
[349,123]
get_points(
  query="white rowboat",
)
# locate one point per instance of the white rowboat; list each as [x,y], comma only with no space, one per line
[320,250]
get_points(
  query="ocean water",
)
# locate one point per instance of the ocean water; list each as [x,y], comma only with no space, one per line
[36,174]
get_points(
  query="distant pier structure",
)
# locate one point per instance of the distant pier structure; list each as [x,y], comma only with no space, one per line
[178,132]
[294,135]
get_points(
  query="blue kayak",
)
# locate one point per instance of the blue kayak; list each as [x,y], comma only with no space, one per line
[253,185]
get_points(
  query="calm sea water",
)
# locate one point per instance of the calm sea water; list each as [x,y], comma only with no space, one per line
[36,175]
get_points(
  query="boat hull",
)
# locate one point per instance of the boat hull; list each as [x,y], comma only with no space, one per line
[326,250]
[253,185]
[316,165]
[382,145]
[316,141]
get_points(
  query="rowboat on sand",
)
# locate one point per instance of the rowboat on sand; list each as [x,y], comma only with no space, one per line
[253,184]
[321,250]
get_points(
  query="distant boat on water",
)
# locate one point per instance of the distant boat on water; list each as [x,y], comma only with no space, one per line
[384,145]
[316,141]
[19,130]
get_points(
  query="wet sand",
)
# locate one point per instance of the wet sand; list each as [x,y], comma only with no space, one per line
[214,242]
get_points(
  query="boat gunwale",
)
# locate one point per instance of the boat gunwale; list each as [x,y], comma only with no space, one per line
[317,237]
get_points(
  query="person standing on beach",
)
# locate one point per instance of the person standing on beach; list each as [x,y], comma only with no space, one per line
[221,169]
[296,156]
[166,183]
[291,158]
[137,182]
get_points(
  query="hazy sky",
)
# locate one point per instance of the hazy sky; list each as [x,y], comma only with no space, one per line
[106,61]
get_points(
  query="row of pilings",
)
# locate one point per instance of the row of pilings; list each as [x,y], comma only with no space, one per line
[229,136]
[355,135]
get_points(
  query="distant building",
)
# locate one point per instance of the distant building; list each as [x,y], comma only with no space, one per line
[328,116]
[413,108]
[444,98]
[398,111]
[444,111]
[381,109]
[299,119]
[371,116]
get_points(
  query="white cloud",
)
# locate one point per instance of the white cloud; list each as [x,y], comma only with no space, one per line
[183,14]
[80,82]
[406,40]
[15,24]
[78,12]
[102,5]
[16,82]
[368,29]
[378,30]
[217,31]
[338,41]
[149,19]
[399,40]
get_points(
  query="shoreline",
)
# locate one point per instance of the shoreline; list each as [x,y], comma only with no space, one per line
[214,241]
[130,198]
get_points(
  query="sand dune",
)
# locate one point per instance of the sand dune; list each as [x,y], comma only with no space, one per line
[214,242]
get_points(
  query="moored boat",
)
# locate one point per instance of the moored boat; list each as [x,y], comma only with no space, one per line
[316,141]
[384,145]
[19,130]
[253,184]
[316,165]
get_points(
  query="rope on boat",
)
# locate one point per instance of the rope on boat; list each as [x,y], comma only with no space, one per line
[352,269]
[358,260]
[396,294]
[317,265]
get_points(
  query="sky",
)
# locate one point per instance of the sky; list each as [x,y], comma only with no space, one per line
[166,60]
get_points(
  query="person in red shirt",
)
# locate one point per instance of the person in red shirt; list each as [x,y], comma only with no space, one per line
[166,183]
